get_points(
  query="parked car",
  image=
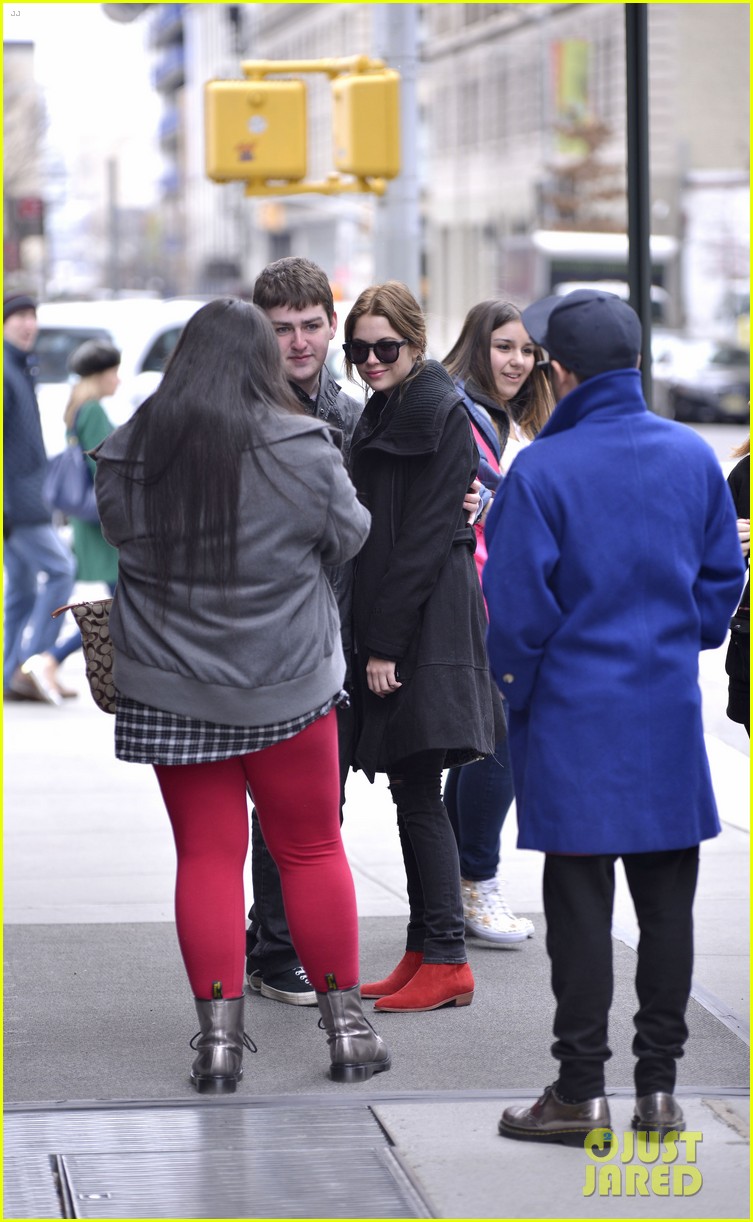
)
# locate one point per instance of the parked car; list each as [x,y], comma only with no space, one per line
[718,390]
[697,380]
[674,356]
[145,330]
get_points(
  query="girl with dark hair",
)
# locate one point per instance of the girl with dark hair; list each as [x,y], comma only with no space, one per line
[425,697]
[225,501]
[507,398]
[497,356]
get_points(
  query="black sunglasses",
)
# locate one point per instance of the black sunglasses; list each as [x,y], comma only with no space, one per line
[385,350]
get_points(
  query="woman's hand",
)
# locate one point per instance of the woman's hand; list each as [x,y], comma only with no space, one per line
[743,534]
[381,677]
[472,501]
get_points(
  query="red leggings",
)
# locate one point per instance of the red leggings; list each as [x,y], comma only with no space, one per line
[295,787]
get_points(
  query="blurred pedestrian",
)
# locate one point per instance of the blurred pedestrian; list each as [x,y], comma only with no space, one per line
[613,559]
[738,650]
[424,696]
[96,362]
[297,298]
[39,567]
[225,502]
[493,365]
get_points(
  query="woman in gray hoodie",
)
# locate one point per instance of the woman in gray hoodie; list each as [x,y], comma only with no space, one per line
[225,502]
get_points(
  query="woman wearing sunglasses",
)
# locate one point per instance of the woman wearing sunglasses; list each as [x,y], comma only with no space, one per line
[425,700]
[507,397]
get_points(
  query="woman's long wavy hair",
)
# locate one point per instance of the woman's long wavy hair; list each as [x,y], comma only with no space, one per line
[224,374]
[394,301]
[469,358]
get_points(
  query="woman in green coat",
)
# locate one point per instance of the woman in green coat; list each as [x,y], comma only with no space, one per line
[96,363]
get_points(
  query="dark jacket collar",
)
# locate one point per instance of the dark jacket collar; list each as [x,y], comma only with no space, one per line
[613,394]
[21,364]
[325,406]
[17,356]
[304,399]
[411,422]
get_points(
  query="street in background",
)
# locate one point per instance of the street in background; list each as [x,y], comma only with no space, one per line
[144,329]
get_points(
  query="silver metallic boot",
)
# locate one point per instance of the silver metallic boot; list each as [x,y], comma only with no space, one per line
[355,1049]
[658,1113]
[219,1044]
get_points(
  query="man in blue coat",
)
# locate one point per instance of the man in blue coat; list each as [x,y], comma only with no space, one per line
[613,559]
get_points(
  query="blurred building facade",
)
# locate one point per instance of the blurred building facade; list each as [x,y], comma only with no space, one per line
[203,226]
[526,167]
[24,122]
[522,132]
[77,157]
[521,135]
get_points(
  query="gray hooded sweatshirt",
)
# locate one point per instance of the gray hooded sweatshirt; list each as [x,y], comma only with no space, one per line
[272,651]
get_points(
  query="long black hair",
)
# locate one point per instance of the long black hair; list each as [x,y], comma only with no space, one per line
[223,375]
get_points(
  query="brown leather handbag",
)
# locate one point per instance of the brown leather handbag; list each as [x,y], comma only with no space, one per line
[94,621]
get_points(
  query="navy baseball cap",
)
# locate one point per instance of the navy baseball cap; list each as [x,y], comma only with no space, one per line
[588,331]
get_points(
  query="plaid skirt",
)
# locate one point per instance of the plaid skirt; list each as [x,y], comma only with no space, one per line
[144,735]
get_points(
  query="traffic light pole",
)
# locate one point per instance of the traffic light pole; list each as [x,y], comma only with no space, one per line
[255,129]
[397,237]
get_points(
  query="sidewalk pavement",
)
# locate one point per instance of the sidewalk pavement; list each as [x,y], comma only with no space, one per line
[87,843]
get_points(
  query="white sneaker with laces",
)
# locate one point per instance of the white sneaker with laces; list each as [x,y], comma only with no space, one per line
[487,915]
[524,921]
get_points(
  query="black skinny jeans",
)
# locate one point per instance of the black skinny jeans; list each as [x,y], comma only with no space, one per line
[578,903]
[432,870]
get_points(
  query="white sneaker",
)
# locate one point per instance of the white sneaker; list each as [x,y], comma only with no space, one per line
[487,915]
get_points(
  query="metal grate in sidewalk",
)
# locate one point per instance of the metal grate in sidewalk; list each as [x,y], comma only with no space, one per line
[206,1161]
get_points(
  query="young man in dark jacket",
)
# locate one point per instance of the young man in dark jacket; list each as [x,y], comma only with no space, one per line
[297,298]
[613,559]
[32,545]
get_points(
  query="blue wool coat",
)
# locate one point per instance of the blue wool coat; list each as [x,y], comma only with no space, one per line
[613,559]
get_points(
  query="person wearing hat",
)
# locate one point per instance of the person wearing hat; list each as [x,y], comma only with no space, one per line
[96,362]
[33,548]
[613,559]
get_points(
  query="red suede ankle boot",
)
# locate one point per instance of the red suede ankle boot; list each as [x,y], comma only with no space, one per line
[406,968]
[433,986]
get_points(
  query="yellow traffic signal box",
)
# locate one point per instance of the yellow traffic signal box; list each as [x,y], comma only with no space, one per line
[255,130]
[366,123]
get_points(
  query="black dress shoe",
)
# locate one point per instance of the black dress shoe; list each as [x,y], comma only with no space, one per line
[549,1119]
[658,1113]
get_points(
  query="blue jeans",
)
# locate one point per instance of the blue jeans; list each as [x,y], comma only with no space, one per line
[478,797]
[31,552]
